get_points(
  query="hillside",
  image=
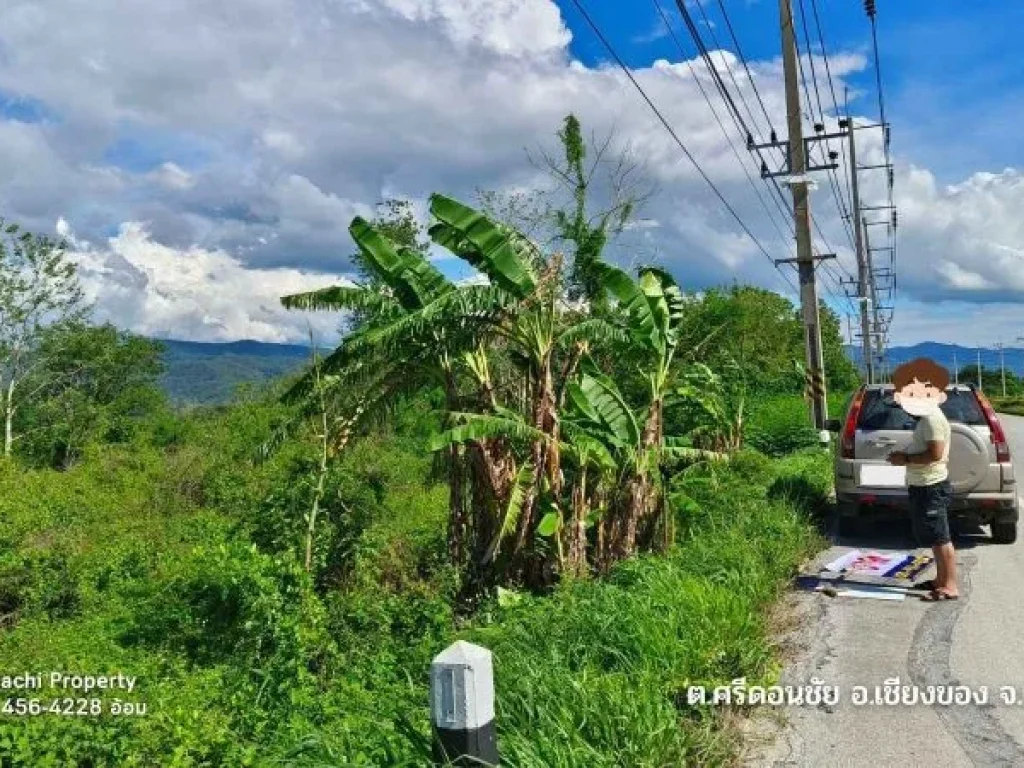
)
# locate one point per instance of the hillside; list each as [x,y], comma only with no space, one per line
[209,373]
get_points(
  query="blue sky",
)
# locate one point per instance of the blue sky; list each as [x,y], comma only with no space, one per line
[203,155]
[953,72]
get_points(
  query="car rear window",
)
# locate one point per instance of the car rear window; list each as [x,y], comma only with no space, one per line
[879,410]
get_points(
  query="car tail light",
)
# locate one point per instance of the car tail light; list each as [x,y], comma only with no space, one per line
[849,443]
[996,429]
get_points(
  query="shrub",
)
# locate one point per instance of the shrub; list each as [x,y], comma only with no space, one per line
[777,425]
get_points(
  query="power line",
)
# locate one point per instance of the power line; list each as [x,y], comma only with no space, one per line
[622,65]
[841,206]
[743,59]
[732,75]
[831,88]
[734,113]
[725,133]
[721,125]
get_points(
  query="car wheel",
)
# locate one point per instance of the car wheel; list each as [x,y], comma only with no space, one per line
[1004,533]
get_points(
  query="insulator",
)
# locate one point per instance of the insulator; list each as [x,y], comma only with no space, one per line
[892,177]
[895,219]
[833,155]
[775,138]
[843,124]
[750,141]
[869,7]
[764,168]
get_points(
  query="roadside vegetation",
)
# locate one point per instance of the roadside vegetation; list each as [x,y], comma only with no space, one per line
[600,476]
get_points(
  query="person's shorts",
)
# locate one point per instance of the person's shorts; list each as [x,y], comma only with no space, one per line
[929,513]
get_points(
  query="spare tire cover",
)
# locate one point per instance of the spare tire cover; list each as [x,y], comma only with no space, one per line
[968,458]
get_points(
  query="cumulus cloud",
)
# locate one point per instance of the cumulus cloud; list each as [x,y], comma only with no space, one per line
[193,293]
[964,240]
[258,128]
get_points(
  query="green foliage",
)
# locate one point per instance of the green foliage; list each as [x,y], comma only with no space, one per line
[779,424]
[173,561]
[87,384]
[760,332]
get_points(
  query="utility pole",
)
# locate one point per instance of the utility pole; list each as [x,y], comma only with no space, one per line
[981,387]
[956,371]
[802,218]
[1002,365]
[879,337]
[862,264]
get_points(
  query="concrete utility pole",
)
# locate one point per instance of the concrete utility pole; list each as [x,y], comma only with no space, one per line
[1002,365]
[863,271]
[879,337]
[802,218]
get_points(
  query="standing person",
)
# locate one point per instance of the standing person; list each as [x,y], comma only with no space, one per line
[920,391]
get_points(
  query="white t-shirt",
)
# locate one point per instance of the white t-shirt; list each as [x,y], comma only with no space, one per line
[932,427]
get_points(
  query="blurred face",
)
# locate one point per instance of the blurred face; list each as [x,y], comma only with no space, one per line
[920,398]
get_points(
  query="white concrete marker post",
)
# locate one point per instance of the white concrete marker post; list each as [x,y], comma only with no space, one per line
[462,706]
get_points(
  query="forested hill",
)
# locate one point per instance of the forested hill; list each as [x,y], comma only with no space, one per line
[210,373]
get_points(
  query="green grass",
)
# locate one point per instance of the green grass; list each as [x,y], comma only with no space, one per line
[1011,405]
[140,560]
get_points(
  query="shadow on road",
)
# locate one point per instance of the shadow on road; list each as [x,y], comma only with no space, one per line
[892,531]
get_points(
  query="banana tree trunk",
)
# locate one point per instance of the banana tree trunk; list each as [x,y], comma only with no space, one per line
[457,519]
[545,458]
[640,501]
[456,508]
[576,533]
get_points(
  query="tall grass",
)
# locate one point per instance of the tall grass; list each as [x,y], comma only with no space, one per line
[594,675]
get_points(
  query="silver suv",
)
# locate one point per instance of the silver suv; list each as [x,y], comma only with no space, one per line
[980,470]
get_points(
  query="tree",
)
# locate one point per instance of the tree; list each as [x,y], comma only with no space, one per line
[597,191]
[38,288]
[525,451]
[85,383]
[840,373]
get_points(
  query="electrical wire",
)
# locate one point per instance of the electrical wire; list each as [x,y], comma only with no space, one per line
[746,67]
[721,126]
[668,127]
[841,206]
[735,113]
[737,116]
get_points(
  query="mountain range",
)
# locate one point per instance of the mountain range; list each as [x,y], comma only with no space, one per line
[950,355]
[204,373]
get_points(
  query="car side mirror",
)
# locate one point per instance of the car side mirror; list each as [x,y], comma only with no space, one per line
[834,425]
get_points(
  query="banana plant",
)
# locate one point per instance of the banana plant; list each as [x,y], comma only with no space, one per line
[599,411]
[651,309]
[369,379]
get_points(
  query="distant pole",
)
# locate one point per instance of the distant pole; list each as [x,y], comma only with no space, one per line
[956,371]
[981,387]
[462,706]
[862,264]
[1002,366]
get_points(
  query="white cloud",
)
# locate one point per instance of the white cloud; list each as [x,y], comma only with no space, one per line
[269,123]
[963,239]
[194,293]
[171,176]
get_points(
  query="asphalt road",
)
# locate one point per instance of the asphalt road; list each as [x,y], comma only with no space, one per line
[976,641]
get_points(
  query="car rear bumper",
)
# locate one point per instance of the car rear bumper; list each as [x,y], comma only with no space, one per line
[1001,507]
